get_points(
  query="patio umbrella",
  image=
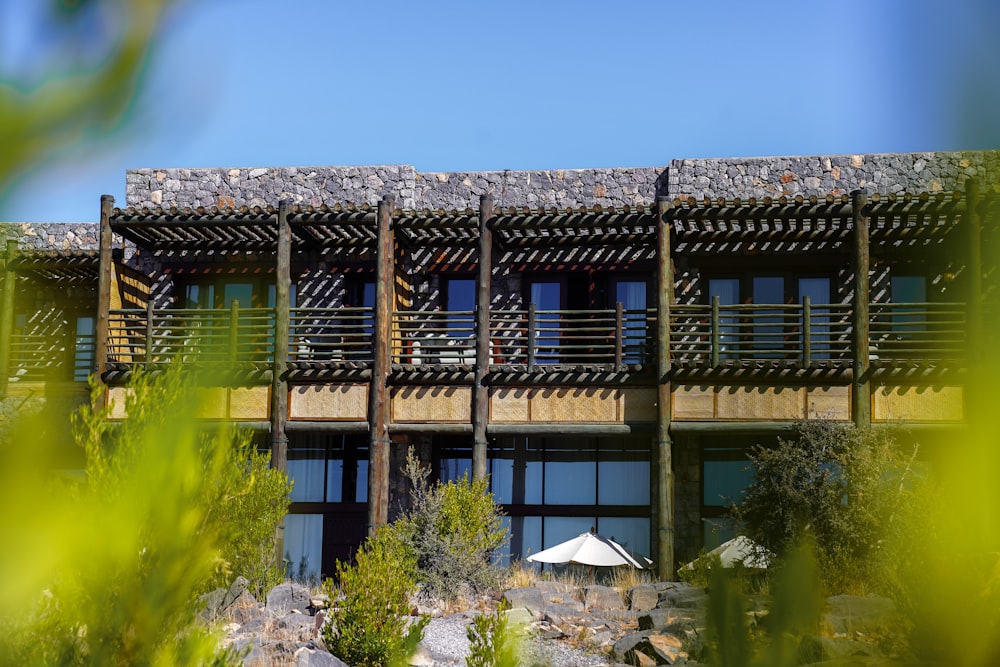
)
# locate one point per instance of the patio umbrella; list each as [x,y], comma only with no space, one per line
[739,549]
[590,549]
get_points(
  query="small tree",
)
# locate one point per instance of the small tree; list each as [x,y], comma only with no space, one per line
[369,628]
[454,531]
[846,488]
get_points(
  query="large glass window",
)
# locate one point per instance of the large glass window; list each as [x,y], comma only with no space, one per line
[553,489]
[726,472]
[547,297]
[632,295]
[328,469]
[907,323]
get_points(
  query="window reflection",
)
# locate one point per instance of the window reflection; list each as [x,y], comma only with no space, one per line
[303,546]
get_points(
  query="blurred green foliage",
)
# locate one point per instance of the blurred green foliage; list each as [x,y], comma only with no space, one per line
[79,80]
[492,640]
[107,570]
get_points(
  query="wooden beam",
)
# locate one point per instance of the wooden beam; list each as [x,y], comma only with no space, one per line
[282,307]
[480,386]
[104,286]
[974,263]
[861,400]
[663,455]
[7,313]
[378,407]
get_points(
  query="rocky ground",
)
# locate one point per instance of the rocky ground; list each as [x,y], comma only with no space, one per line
[565,626]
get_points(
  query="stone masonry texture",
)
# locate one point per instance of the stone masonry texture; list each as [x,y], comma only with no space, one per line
[713,177]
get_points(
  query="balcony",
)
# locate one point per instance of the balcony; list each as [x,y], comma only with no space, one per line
[702,337]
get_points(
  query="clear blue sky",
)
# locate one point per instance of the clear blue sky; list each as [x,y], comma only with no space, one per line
[534,85]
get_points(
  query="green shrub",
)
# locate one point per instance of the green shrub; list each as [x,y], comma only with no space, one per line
[453,531]
[850,490]
[368,627]
[107,570]
[492,642]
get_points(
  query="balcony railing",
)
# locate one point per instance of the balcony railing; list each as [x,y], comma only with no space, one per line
[609,338]
[434,337]
[713,335]
[803,333]
[48,356]
[213,336]
[331,335]
[917,331]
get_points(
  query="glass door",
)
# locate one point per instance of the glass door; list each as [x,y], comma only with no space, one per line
[547,296]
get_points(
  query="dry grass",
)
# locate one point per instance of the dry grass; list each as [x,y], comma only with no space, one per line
[624,578]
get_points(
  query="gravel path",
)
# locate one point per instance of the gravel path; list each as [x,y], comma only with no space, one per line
[445,644]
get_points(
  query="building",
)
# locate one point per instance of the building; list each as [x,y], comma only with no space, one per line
[605,344]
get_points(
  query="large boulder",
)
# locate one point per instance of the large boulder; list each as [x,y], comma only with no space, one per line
[813,648]
[285,597]
[602,597]
[680,594]
[528,597]
[642,597]
[663,649]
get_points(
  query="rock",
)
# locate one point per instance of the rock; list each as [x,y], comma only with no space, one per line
[680,594]
[602,597]
[286,597]
[661,648]
[642,598]
[519,616]
[813,648]
[849,614]
[673,621]
[625,645]
[308,657]
[211,603]
[317,602]
[529,598]
[244,608]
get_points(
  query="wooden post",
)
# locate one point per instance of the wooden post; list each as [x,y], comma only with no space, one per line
[104,281]
[531,335]
[806,332]
[715,336]
[861,401]
[7,313]
[974,263]
[279,385]
[619,333]
[664,514]
[480,386]
[378,408]
[149,333]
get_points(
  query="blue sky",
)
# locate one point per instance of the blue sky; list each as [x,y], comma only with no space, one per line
[450,86]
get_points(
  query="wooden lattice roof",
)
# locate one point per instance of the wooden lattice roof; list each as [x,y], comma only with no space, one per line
[70,267]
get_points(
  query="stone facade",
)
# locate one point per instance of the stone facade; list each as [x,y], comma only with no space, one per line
[51,235]
[818,175]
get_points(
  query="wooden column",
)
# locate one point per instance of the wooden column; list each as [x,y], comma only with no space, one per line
[664,513]
[480,388]
[861,398]
[974,264]
[104,283]
[378,399]
[282,305]
[7,313]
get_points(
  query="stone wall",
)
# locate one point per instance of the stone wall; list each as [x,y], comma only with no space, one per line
[51,235]
[412,189]
[821,175]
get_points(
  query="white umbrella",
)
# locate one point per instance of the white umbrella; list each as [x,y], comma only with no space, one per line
[740,549]
[589,549]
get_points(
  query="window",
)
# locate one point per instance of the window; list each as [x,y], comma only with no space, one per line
[632,294]
[762,333]
[725,474]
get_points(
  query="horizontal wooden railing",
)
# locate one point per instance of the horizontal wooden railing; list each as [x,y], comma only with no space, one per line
[803,334]
[609,338]
[234,335]
[917,331]
[434,337]
[48,356]
[331,334]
